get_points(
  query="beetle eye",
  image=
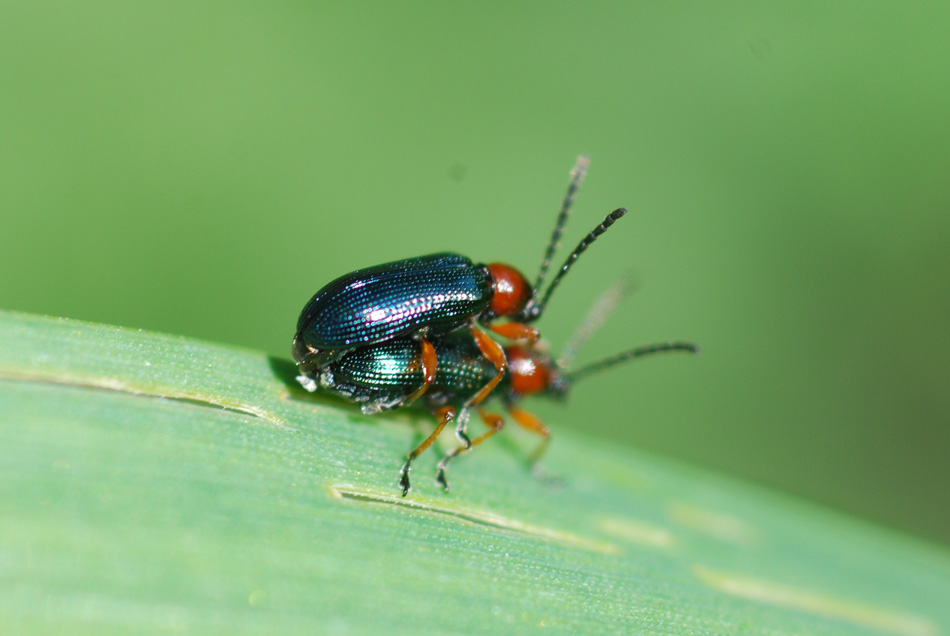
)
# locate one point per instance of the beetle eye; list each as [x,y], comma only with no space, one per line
[510,290]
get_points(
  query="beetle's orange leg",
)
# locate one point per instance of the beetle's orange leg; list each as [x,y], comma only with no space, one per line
[493,421]
[445,414]
[496,355]
[429,361]
[533,424]
[516,331]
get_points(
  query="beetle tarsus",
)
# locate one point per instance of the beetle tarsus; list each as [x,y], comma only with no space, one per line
[443,463]
[404,477]
[463,436]
[440,478]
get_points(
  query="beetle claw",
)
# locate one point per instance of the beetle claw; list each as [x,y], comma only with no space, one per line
[404,479]
[441,480]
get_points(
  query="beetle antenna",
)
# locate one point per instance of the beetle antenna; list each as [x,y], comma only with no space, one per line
[596,317]
[577,176]
[534,309]
[629,355]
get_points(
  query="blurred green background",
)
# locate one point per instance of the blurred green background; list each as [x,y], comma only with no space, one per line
[202,168]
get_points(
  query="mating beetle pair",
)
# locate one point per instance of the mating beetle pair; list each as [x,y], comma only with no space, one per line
[385,336]
[388,373]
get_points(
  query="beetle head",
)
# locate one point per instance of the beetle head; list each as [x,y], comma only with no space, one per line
[511,291]
[531,372]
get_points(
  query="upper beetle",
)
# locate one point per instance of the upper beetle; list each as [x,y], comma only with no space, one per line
[427,296]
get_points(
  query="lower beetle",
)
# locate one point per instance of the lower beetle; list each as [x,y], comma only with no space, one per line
[381,376]
[426,297]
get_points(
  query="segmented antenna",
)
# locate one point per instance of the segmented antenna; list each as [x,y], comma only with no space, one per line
[534,309]
[577,177]
[629,355]
[596,317]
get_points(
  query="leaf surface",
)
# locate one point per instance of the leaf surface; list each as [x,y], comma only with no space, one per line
[152,483]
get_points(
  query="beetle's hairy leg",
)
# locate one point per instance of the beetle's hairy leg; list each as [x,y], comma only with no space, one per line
[445,414]
[493,421]
[428,360]
[516,331]
[496,355]
[532,423]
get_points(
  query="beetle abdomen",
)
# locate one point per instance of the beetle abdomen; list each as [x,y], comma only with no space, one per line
[437,293]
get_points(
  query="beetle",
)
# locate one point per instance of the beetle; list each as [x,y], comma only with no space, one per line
[380,377]
[426,297]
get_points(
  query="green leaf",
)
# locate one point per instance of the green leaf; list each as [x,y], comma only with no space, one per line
[152,483]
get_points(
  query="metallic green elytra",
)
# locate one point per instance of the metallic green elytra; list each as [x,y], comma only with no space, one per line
[380,377]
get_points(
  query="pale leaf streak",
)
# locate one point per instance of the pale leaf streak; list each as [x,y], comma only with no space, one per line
[113,384]
[812,602]
[478,517]
[715,524]
[638,532]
